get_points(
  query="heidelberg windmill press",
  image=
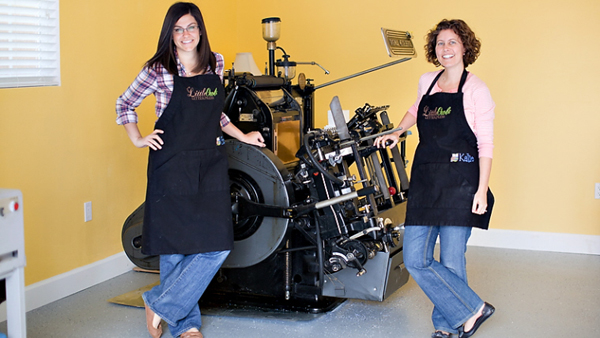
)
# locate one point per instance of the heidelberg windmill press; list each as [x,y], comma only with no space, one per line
[318,213]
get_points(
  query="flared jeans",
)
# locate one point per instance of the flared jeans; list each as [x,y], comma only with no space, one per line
[183,280]
[443,281]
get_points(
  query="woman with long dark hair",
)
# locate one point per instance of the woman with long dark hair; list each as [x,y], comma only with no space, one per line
[449,192]
[187,217]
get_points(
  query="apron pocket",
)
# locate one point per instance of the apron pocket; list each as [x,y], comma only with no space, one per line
[469,172]
[214,172]
[178,176]
[439,185]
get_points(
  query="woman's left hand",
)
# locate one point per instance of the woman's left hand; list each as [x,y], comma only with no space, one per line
[381,141]
[254,138]
[479,203]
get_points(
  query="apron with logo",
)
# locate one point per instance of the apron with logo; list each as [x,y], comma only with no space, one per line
[445,171]
[188,206]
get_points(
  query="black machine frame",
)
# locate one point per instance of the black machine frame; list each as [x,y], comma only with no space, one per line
[318,213]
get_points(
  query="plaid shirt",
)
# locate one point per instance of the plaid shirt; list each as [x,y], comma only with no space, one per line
[160,83]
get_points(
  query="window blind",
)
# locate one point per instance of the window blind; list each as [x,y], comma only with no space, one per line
[29,43]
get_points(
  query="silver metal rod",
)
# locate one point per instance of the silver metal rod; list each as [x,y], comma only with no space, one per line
[362,73]
[314,64]
[346,143]
[380,134]
[339,199]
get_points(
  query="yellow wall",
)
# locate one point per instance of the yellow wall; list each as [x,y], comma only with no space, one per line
[61,147]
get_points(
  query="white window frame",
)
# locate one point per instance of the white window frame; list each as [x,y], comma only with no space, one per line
[29,43]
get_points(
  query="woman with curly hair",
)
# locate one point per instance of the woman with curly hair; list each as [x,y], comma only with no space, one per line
[449,193]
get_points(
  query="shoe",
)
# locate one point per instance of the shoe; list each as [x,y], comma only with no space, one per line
[191,334]
[155,332]
[440,334]
[488,311]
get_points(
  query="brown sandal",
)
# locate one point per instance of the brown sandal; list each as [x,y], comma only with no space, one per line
[155,332]
[191,334]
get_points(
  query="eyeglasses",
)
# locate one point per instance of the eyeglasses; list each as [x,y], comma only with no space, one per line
[190,29]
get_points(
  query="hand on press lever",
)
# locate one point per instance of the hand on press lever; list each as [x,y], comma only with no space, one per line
[254,138]
[389,140]
[152,140]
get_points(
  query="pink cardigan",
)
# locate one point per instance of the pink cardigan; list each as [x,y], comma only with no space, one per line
[478,104]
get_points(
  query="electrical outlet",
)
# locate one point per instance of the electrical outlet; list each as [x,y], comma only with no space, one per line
[597,191]
[87,211]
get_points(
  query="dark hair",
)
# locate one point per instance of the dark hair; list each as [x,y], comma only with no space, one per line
[165,51]
[470,42]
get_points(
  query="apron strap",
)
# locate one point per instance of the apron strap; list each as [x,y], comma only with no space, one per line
[463,79]
[434,82]
[168,114]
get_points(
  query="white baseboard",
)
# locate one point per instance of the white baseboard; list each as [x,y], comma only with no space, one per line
[537,241]
[68,283]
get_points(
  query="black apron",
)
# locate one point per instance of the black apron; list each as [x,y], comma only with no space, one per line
[188,206]
[445,171]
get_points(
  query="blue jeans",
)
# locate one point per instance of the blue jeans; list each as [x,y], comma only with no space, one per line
[183,279]
[444,282]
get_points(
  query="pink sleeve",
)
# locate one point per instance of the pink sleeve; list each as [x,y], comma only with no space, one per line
[479,111]
[415,107]
[424,83]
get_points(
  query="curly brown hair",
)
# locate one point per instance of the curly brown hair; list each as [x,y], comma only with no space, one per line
[470,42]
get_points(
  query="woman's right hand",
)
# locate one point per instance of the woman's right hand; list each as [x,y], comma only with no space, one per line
[152,140]
[387,140]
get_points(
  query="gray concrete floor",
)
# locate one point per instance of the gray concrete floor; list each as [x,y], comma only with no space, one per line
[536,294]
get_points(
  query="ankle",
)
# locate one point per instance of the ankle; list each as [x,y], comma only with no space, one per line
[468,325]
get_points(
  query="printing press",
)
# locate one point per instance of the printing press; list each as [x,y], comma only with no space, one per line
[318,213]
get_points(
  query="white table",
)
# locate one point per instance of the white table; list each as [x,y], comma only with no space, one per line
[12,260]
